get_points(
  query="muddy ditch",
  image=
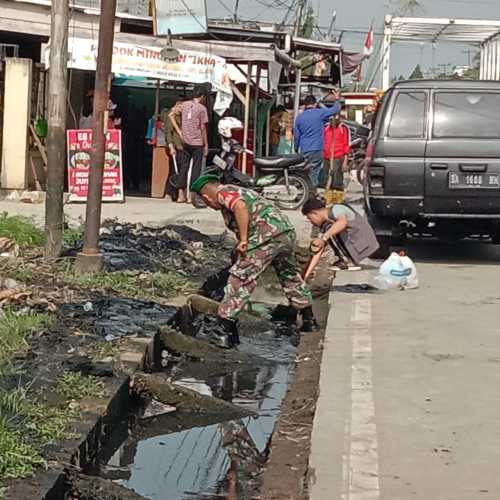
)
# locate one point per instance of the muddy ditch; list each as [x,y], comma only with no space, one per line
[204,417]
[198,421]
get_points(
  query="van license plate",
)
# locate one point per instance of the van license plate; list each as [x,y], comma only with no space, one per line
[473,181]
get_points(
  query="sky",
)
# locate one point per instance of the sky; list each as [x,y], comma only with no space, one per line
[357,15]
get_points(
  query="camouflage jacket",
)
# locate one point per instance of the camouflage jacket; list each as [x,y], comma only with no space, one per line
[266,221]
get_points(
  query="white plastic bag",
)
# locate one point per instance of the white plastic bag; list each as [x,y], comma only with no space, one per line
[397,272]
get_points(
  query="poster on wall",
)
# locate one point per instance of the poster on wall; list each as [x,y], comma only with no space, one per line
[79,146]
[181,17]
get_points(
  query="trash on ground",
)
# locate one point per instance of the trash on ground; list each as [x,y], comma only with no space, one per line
[112,317]
[397,272]
[8,248]
[137,247]
[356,288]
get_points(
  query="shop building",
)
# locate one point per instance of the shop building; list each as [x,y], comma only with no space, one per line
[260,76]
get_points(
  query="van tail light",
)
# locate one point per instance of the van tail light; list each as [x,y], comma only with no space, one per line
[376,177]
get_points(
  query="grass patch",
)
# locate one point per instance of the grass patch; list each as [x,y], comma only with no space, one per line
[133,284]
[75,386]
[27,426]
[14,328]
[21,230]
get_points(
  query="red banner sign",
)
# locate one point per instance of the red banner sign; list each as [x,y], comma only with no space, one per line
[79,146]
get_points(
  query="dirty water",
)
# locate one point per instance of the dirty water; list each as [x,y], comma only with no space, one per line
[192,456]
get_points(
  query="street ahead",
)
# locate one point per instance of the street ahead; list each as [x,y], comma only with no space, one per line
[409,399]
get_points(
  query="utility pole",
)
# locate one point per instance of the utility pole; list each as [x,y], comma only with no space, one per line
[56,137]
[236,7]
[298,19]
[90,259]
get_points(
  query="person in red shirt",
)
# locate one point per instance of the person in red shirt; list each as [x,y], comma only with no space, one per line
[337,145]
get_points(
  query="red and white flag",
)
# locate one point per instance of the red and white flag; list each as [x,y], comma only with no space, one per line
[368,47]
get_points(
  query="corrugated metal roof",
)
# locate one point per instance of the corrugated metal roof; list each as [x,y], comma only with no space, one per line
[420,29]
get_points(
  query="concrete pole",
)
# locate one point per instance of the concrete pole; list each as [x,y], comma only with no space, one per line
[90,259]
[56,138]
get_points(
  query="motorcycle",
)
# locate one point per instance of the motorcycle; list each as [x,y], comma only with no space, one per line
[281,179]
[356,160]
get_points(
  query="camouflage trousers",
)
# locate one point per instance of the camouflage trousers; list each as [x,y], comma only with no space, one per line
[278,253]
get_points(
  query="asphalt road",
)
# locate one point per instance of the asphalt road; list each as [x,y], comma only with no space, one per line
[409,402]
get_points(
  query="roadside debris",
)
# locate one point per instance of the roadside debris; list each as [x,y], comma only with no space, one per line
[113,317]
[8,248]
[137,247]
[183,399]
[397,272]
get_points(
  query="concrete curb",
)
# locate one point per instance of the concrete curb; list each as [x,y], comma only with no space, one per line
[330,443]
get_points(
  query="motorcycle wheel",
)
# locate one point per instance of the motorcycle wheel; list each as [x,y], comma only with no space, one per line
[361,172]
[304,187]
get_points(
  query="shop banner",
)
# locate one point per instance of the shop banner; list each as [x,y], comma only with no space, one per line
[181,17]
[79,146]
[146,62]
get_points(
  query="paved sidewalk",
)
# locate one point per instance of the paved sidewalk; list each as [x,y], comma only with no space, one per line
[409,401]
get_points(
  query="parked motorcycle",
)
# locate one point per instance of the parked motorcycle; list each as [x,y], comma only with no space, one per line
[281,179]
[356,160]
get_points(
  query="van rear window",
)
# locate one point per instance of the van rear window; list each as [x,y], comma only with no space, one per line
[467,115]
[408,117]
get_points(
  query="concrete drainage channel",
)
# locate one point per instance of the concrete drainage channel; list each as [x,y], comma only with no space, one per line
[191,421]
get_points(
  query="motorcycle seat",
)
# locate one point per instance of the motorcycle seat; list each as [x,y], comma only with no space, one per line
[278,162]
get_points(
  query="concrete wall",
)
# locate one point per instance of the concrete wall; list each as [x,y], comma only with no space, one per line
[17,115]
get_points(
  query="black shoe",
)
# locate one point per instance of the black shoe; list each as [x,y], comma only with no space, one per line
[309,323]
[225,334]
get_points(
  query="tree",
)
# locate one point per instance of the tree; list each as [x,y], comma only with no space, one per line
[417,73]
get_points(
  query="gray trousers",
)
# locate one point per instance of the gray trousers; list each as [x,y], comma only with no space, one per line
[337,175]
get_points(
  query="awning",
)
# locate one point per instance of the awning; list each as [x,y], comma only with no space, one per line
[420,29]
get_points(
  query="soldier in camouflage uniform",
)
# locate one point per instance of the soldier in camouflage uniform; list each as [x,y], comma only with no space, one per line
[266,237]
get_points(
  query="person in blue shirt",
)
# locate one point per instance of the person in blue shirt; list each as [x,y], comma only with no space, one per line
[309,130]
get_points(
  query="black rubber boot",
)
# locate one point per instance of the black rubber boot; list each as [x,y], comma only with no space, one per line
[309,323]
[225,334]
[285,314]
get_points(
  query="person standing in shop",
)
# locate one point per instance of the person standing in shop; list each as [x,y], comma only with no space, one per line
[337,146]
[278,124]
[174,143]
[193,132]
[309,130]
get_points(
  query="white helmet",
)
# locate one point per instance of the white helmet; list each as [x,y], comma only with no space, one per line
[227,125]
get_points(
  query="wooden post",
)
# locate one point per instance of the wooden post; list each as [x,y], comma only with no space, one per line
[268,131]
[56,138]
[247,116]
[90,259]
[157,99]
[256,108]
